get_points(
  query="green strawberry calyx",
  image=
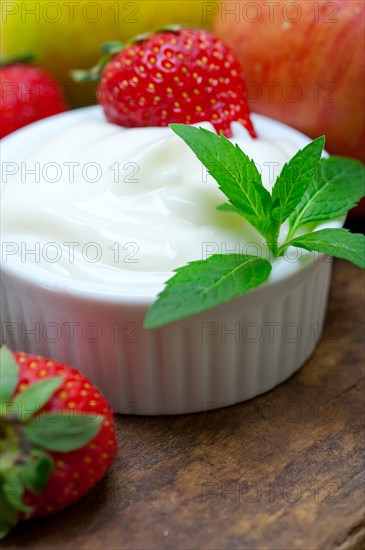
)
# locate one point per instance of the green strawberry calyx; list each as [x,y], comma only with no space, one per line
[24,58]
[110,50]
[28,436]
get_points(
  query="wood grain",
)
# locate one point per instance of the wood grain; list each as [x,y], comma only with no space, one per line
[282,471]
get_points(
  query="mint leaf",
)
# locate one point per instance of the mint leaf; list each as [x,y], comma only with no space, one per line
[227,207]
[336,188]
[36,396]
[295,178]
[203,284]
[9,373]
[335,242]
[236,175]
[63,431]
[308,189]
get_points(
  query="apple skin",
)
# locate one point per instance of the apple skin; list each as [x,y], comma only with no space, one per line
[304,65]
[67,35]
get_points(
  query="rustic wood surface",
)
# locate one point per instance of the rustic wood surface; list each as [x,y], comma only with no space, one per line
[282,471]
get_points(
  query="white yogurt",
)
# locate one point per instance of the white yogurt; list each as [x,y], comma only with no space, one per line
[116,205]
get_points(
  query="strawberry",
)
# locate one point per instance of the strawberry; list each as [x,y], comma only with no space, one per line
[176,75]
[57,437]
[27,94]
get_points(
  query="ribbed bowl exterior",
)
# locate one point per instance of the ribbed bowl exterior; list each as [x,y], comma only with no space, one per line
[226,355]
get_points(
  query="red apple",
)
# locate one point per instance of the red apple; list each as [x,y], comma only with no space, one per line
[304,64]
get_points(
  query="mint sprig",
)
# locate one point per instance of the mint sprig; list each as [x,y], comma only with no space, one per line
[334,242]
[309,190]
[336,187]
[203,284]
[295,178]
[235,173]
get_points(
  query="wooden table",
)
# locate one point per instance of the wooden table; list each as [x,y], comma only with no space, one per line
[281,471]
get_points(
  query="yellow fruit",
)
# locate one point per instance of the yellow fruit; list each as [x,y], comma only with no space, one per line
[65,35]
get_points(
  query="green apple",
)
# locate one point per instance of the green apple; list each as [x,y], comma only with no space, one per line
[65,35]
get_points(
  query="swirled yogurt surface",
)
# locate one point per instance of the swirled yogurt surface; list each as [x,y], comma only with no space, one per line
[98,202]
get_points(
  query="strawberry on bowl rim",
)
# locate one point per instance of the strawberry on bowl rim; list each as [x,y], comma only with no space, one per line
[176,74]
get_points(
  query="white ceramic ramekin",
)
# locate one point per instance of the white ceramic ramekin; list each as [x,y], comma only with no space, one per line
[228,354]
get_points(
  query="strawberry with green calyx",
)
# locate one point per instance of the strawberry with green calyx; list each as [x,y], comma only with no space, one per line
[175,75]
[56,433]
[27,93]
